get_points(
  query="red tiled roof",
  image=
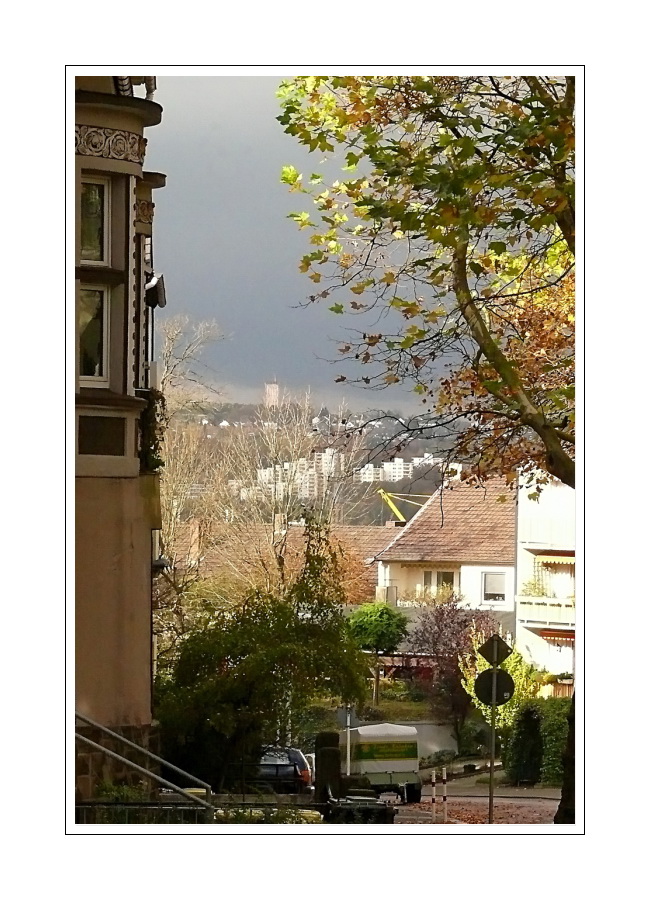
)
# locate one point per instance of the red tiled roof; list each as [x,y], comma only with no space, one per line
[366,540]
[249,548]
[464,524]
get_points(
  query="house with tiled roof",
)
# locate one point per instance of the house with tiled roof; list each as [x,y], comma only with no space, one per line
[462,538]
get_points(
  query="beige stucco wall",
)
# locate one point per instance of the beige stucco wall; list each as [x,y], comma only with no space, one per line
[468,581]
[112,602]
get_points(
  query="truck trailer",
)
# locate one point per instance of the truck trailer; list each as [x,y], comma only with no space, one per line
[387,755]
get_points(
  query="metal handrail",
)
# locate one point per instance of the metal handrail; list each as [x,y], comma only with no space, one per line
[206,804]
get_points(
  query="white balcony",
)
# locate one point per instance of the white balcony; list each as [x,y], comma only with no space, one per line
[546,612]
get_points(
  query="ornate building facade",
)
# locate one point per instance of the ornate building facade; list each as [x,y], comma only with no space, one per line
[117,496]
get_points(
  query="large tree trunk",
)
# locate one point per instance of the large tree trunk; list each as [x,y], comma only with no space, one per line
[566,811]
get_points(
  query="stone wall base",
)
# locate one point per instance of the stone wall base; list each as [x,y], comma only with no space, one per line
[93,767]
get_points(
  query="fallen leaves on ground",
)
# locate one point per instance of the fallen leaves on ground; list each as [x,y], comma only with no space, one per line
[475,812]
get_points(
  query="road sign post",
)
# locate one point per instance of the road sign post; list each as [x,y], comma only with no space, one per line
[496,687]
[493,732]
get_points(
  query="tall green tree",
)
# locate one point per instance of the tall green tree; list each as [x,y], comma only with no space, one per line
[453,226]
[378,628]
[237,682]
[454,214]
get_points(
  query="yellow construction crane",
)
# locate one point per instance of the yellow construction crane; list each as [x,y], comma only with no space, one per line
[388,500]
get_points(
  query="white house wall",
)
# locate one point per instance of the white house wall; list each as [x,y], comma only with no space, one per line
[545,524]
[471,587]
[554,656]
[468,581]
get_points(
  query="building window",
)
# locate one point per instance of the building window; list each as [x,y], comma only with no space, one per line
[445,580]
[93,334]
[95,203]
[147,254]
[494,587]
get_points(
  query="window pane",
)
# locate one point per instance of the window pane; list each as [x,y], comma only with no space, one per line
[427,579]
[445,579]
[92,221]
[91,334]
[494,586]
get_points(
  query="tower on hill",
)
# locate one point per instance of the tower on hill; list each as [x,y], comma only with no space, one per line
[271,394]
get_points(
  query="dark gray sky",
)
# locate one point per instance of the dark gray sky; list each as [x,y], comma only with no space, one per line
[226,248]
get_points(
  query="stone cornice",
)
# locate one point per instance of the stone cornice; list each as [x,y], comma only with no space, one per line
[109,143]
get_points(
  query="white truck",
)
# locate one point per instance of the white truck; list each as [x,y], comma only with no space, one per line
[387,755]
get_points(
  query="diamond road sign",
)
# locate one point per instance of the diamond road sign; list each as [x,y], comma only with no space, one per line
[495,650]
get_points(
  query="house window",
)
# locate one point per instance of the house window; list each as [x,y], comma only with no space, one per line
[93,334]
[494,587]
[445,580]
[94,222]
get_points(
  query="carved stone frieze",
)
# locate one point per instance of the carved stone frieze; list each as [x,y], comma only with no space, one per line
[144,211]
[109,143]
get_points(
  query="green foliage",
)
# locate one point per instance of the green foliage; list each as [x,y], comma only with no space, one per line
[437,759]
[402,690]
[533,588]
[555,728]
[239,681]
[472,739]
[537,742]
[403,710]
[524,675]
[152,430]
[463,203]
[307,723]
[370,714]
[122,793]
[378,627]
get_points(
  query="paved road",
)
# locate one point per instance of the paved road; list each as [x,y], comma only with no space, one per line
[467,787]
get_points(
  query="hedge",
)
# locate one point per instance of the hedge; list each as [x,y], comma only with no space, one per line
[537,742]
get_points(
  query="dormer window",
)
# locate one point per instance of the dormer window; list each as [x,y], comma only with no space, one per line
[95,212]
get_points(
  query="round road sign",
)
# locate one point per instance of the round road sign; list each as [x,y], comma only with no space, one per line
[505,687]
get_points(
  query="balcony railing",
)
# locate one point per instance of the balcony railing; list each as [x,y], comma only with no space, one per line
[546,611]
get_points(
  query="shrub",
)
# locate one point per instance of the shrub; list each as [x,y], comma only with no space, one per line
[537,741]
[472,739]
[437,759]
[554,728]
[393,690]
[523,757]
[401,689]
[370,714]
[122,793]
